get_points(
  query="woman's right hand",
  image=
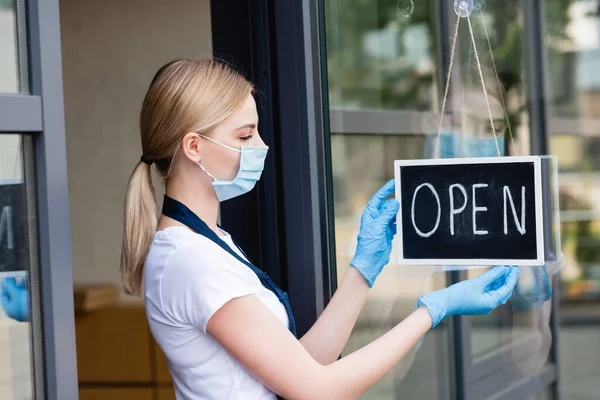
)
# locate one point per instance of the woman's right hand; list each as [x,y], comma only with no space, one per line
[377,230]
[475,296]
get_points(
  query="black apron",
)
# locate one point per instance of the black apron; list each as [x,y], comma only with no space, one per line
[179,212]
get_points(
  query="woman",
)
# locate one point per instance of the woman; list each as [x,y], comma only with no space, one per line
[227,331]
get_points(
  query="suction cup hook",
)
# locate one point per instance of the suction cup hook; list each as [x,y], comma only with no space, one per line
[405,8]
[464,8]
[480,5]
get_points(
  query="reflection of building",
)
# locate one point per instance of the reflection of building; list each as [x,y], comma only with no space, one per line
[576,141]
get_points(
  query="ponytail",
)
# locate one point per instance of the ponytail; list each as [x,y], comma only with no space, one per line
[186,95]
[140,220]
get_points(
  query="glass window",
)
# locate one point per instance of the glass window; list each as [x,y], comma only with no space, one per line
[382,58]
[362,164]
[18,267]
[386,88]
[13,64]
[381,54]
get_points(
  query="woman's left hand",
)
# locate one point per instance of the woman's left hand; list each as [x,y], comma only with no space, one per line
[377,229]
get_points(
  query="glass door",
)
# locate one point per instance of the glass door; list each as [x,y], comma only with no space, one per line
[36,315]
[383,79]
[387,66]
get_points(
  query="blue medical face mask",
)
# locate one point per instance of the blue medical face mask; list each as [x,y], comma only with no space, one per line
[252,162]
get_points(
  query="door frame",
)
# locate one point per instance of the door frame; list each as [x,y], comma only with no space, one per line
[39,115]
[276,45]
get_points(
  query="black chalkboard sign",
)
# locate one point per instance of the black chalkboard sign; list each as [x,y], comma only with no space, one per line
[12,210]
[470,211]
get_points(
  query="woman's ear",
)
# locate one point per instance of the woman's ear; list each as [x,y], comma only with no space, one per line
[192,146]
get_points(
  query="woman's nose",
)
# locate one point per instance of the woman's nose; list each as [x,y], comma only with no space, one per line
[260,142]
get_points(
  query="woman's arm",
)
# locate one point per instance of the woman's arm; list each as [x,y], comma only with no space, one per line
[327,337]
[260,342]
[252,334]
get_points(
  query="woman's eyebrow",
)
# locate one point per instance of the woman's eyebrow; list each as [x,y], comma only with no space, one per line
[251,126]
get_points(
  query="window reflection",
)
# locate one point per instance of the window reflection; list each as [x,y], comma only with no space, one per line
[15,311]
[380,55]
[574,91]
[382,60]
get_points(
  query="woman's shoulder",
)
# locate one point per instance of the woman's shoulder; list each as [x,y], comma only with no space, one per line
[181,245]
[191,277]
[186,253]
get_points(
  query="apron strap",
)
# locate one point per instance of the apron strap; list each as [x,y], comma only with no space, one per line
[181,213]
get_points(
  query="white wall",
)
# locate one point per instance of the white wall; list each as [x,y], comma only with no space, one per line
[111,50]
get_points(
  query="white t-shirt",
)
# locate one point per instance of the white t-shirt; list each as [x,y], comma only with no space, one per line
[187,278]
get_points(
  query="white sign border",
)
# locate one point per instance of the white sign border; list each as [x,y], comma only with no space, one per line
[537,171]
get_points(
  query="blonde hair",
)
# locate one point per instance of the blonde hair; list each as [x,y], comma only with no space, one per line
[186,95]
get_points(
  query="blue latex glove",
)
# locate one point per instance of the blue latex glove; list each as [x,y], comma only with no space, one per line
[15,299]
[377,229]
[533,289]
[475,296]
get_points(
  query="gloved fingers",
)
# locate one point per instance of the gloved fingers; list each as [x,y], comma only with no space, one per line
[393,228]
[383,193]
[9,285]
[505,291]
[489,277]
[388,213]
[390,209]
[499,281]
[22,283]
[5,297]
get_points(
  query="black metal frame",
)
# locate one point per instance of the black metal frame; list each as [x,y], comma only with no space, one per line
[536,62]
[309,222]
[276,45]
[248,48]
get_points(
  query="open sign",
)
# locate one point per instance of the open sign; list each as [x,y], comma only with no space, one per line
[470,211]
